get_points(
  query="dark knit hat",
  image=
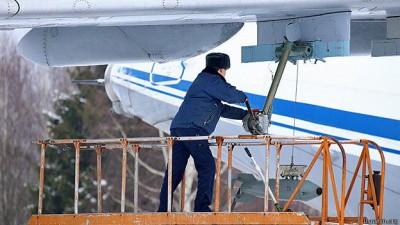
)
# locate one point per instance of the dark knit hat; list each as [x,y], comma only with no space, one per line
[218,60]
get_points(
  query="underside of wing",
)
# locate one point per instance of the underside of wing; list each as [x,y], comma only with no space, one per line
[69,33]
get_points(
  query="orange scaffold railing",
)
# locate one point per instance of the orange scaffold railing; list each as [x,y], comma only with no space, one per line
[369,195]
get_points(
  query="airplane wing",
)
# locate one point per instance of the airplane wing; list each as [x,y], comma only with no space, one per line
[92,32]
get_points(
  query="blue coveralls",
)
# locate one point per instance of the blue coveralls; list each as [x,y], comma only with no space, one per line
[198,116]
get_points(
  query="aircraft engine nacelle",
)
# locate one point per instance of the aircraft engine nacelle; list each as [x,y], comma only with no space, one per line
[77,46]
[117,105]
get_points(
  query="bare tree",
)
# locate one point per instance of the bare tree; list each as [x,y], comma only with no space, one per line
[24,92]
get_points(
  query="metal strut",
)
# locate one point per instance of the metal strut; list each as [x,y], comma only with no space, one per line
[289,52]
[277,78]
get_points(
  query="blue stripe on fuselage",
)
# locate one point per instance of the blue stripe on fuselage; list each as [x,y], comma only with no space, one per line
[362,123]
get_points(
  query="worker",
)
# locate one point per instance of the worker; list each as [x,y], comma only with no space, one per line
[198,116]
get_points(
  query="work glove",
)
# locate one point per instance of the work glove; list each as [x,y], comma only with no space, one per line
[251,124]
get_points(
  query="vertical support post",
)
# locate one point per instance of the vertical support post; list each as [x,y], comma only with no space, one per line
[123,185]
[169,202]
[382,184]
[41,179]
[278,161]
[229,192]
[371,183]
[334,190]
[219,140]
[327,163]
[266,183]
[361,216]
[99,194]
[77,158]
[324,207]
[136,182]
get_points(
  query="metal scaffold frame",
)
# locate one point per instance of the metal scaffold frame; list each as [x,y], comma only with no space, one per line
[341,195]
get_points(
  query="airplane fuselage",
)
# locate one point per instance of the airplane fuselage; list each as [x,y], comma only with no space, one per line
[345,98]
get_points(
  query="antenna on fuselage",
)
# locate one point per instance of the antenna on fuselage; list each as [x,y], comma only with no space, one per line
[97,82]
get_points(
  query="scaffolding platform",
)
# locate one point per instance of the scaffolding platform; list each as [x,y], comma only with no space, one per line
[369,196]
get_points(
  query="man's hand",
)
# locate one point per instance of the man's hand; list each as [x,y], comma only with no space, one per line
[251,124]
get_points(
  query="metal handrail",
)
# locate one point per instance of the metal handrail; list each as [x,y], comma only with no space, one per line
[230,142]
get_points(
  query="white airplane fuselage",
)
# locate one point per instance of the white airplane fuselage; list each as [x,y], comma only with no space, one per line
[345,98]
